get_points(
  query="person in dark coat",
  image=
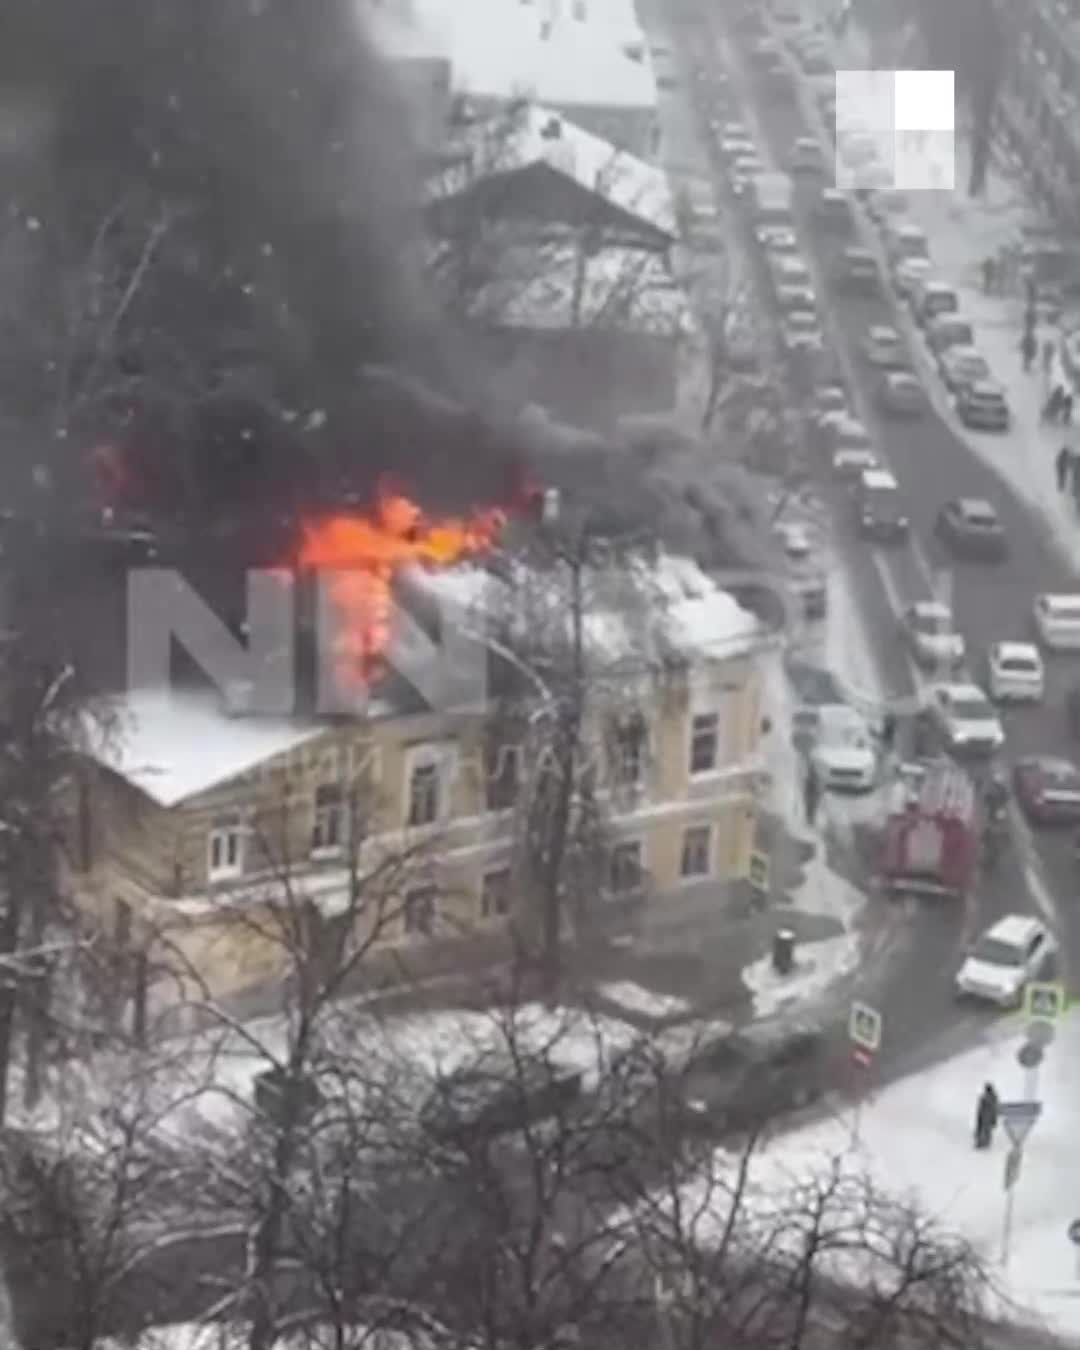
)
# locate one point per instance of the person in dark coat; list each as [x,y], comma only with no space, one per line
[1028,349]
[988,270]
[1052,408]
[986,1117]
[1063,467]
[811,795]
[1066,410]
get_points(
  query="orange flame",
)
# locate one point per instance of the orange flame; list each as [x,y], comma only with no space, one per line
[364,552]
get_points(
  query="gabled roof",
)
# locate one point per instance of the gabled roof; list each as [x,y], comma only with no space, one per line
[535,135]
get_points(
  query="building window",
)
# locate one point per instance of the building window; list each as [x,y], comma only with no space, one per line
[424,794]
[502,776]
[624,872]
[696,851]
[328,828]
[225,849]
[704,742]
[420,909]
[495,893]
[628,751]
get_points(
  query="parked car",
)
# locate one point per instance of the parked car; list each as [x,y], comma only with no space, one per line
[901,395]
[965,720]
[961,367]
[907,273]
[737,147]
[1057,621]
[857,270]
[903,239]
[984,406]
[753,1076]
[777,240]
[801,331]
[851,462]
[841,431]
[1010,954]
[828,398]
[885,205]
[931,298]
[1048,789]
[884,348]
[879,508]
[795,537]
[929,630]
[488,1098]
[949,330]
[744,169]
[834,211]
[1015,673]
[970,528]
[815,60]
[844,755]
[806,157]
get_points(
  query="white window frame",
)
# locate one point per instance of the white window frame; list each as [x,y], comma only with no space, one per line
[513,751]
[701,713]
[637,843]
[232,828]
[411,894]
[618,780]
[318,816]
[443,758]
[493,913]
[710,851]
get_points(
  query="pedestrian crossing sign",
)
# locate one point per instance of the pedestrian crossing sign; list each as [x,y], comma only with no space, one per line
[1044,1002]
[864,1027]
[759,872]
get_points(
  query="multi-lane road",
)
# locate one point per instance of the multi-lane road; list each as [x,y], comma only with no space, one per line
[933,462]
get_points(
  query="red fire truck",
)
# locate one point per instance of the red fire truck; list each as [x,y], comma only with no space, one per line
[930,844]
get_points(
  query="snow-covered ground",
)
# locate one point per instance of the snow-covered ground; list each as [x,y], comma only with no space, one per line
[817,966]
[915,1143]
[635,998]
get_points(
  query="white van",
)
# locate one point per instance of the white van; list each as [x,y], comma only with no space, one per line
[904,240]
[932,298]
[1057,621]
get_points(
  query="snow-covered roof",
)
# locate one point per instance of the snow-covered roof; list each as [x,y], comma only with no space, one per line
[174,745]
[538,135]
[499,50]
[658,608]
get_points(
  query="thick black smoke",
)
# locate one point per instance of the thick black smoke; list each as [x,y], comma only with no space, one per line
[255,153]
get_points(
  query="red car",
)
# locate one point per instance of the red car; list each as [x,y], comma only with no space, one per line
[1048,790]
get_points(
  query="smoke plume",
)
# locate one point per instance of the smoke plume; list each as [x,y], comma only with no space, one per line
[226,190]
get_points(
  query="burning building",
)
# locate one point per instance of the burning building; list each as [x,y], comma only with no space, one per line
[189,813]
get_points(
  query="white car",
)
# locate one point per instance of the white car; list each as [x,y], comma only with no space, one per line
[777,240]
[909,272]
[930,632]
[845,755]
[884,348]
[966,719]
[795,538]
[802,331]
[1016,672]
[1008,956]
[852,461]
[1057,621]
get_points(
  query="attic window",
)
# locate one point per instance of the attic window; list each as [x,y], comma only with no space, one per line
[552,130]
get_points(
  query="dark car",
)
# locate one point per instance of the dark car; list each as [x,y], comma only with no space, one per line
[753,1076]
[857,270]
[813,685]
[901,395]
[488,1098]
[1048,790]
[984,406]
[970,528]
[834,211]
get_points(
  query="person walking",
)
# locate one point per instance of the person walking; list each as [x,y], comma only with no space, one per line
[1047,357]
[1028,349]
[811,795]
[1066,409]
[986,1116]
[1052,407]
[988,270]
[1063,467]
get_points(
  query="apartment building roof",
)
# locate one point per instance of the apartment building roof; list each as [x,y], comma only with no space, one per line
[537,135]
[174,744]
